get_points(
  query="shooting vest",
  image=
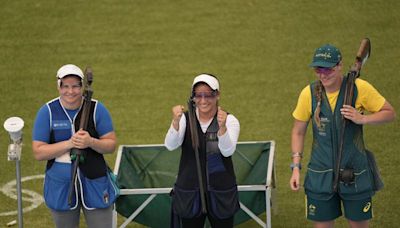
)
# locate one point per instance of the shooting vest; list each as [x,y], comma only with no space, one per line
[219,179]
[325,148]
[93,175]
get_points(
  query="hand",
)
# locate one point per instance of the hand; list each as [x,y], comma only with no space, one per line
[295,180]
[82,139]
[221,117]
[349,112]
[177,112]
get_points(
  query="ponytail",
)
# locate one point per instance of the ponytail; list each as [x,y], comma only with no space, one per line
[318,89]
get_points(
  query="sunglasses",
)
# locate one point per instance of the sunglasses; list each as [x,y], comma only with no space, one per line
[324,70]
[205,95]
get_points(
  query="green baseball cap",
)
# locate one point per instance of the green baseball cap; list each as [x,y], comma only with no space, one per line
[326,56]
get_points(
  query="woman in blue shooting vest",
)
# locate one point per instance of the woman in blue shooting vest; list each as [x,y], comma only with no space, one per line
[322,102]
[56,131]
[218,132]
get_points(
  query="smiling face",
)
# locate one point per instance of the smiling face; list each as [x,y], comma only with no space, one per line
[206,100]
[331,78]
[71,92]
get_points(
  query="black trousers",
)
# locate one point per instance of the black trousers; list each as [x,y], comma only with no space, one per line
[199,222]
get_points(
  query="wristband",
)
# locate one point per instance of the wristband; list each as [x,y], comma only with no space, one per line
[297,154]
[294,165]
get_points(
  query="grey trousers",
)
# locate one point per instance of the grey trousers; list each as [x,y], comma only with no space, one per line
[98,218]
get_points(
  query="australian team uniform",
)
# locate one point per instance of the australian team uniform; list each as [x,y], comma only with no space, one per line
[323,204]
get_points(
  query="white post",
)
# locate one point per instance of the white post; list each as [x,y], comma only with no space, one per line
[14,127]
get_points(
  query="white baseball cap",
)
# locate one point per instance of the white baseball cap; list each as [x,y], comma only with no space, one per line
[69,69]
[208,79]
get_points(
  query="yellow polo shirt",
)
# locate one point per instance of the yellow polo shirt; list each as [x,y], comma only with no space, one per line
[368,99]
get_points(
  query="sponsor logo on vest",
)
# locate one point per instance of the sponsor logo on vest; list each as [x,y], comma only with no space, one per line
[61,124]
[367,207]
[311,209]
[321,129]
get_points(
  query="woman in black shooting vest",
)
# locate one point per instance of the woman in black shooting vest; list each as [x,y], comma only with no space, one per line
[218,132]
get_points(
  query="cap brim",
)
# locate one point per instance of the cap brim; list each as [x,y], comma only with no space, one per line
[69,69]
[69,74]
[322,64]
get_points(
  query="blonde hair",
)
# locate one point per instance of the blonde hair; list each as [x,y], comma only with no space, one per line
[319,88]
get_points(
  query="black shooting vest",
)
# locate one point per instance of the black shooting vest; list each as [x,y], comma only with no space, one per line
[325,148]
[208,144]
[219,179]
[94,165]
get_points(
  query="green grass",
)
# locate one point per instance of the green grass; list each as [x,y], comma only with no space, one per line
[144,55]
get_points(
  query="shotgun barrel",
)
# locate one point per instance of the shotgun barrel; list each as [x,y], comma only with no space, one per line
[76,153]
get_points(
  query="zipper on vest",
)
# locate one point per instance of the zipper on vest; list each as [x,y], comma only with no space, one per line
[72,121]
[206,164]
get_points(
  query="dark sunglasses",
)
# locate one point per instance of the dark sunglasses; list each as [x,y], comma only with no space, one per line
[324,70]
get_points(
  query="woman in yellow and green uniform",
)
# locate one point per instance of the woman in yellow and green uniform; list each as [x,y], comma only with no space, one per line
[322,102]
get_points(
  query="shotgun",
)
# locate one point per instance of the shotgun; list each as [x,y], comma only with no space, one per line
[77,155]
[195,144]
[364,52]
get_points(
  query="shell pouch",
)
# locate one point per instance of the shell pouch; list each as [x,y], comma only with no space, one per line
[224,203]
[56,187]
[186,203]
[99,192]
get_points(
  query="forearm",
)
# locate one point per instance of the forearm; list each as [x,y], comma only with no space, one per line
[103,146]
[43,151]
[171,140]
[174,138]
[228,140]
[297,147]
[226,144]
[384,115]
[297,142]
[298,135]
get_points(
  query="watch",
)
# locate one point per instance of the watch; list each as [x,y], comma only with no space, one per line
[294,165]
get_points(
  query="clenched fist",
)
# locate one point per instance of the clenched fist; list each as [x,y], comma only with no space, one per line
[221,117]
[177,112]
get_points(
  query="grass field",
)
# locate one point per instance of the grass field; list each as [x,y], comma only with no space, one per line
[144,55]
